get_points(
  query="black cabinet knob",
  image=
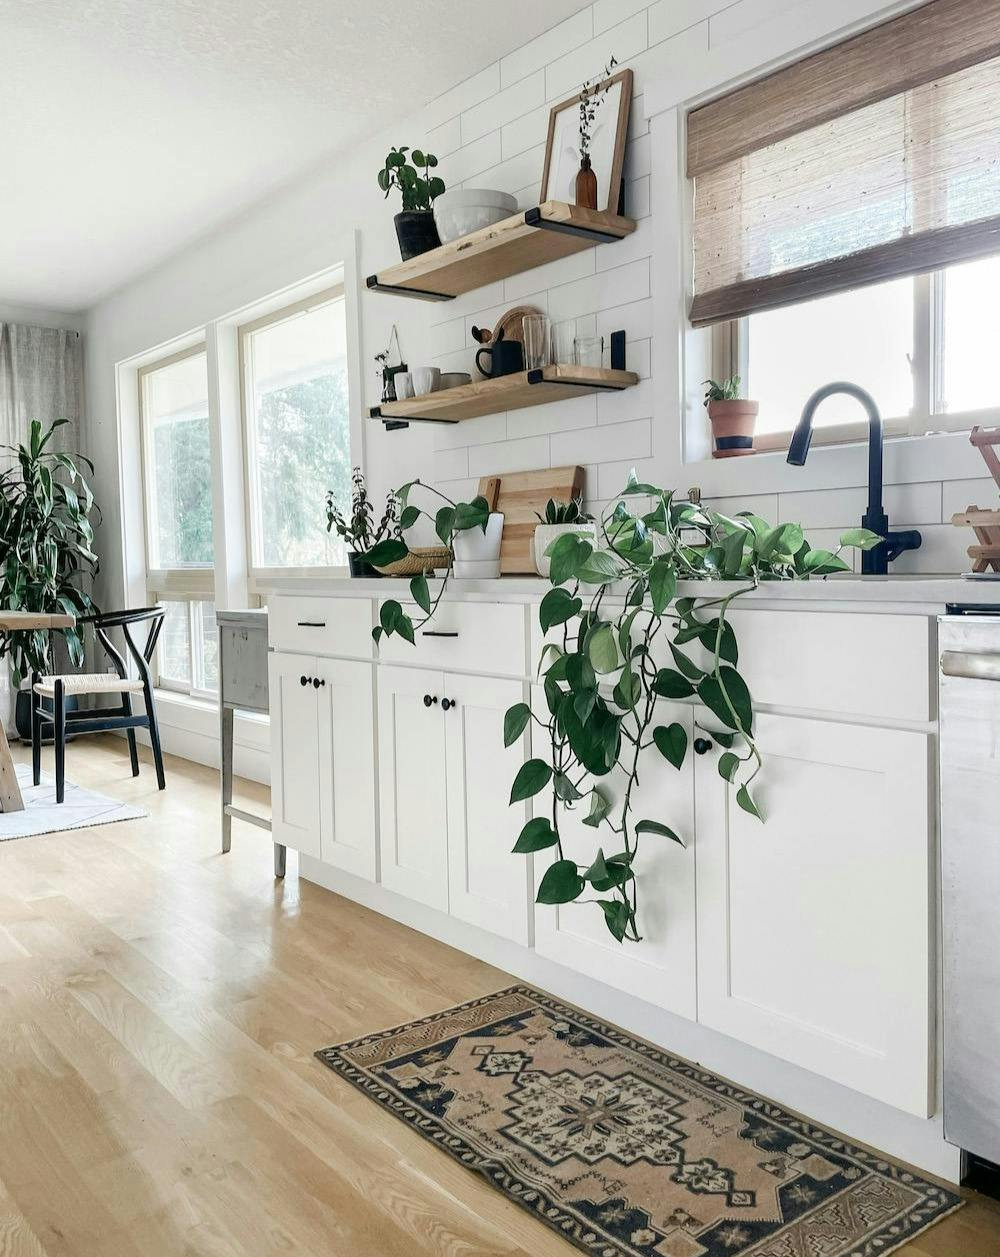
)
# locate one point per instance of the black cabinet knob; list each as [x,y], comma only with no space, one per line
[702,746]
[447,704]
[430,700]
[303,680]
[315,682]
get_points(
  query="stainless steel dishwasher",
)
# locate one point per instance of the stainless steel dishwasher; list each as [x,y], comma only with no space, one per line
[969,641]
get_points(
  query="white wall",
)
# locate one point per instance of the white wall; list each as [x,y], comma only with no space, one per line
[489,131]
[36,316]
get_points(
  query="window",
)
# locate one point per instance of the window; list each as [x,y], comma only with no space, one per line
[177,456]
[918,345]
[177,483]
[297,432]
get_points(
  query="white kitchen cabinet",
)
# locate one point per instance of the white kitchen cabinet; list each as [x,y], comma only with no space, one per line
[446,828]
[295,752]
[413,784]
[488,885]
[814,928]
[323,759]
[660,969]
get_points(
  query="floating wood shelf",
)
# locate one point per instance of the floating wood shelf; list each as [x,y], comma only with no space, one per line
[528,239]
[509,392]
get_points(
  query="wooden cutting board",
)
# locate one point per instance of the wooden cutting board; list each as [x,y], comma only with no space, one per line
[519,494]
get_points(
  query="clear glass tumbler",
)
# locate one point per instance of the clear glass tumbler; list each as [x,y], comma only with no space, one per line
[590,351]
[564,342]
[536,341]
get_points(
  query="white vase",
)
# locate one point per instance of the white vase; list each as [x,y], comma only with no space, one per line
[477,553]
[545,534]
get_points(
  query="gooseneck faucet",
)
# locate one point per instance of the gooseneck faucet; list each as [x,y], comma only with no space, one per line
[874,562]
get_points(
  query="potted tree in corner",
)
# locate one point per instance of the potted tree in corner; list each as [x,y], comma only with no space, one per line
[733,418]
[415,229]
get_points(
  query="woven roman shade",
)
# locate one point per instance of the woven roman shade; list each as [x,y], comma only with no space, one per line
[876,158]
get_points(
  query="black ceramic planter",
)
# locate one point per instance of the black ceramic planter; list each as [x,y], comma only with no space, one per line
[416,233]
[360,566]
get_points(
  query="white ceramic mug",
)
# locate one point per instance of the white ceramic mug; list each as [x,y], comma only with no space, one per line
[425,380]
[403,383]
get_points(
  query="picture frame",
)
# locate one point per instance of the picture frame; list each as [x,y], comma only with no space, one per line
[609,135]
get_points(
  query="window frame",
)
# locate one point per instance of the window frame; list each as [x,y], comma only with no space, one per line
[260,579]
[731,356]
[196,654]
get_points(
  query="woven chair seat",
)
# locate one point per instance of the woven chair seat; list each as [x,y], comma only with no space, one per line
[86,683]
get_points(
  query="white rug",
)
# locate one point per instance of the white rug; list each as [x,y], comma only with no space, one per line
[43,815]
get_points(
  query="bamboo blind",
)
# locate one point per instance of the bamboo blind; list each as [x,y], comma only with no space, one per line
[876,158]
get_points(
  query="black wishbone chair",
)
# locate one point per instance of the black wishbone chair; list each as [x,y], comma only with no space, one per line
[101,719]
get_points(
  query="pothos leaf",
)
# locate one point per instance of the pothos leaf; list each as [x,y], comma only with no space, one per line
[536,835]
[600,806]
[746,803]
[562,883]
[532,776]
[671,741]
[617,915]
[515,722]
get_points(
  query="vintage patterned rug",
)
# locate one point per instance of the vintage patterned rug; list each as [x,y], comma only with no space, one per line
[626,1150]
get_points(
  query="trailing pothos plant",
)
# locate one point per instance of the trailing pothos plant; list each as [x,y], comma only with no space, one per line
[618,641]
[46,546]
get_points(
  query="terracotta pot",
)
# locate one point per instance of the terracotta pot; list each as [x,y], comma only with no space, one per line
[733,426]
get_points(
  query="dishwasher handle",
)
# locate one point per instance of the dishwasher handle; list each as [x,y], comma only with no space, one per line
[980,665]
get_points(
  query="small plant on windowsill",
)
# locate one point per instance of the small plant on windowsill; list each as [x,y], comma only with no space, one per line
[415,229]
[360,533]
[621,651]
[733,418]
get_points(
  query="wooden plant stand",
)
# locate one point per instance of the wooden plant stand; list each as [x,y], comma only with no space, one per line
[986,524]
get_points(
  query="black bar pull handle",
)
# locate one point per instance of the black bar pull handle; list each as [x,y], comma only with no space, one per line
[440,632]
[312,623]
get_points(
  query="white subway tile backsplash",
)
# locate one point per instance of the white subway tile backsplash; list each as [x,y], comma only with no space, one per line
[459,490]
[527,131]
[608,13]
[596,292]
[843,508]
[472,159]
[603,443]
[524,454]
[613,477]
[466,94]
[446,338]
[549,417]
[637,198]
[763,504]
[565,76]
[638,123]
[523,61]
[637,245]
[736,20]
[552,275]
[638,357]
[628,404]
[471,432]
[506,105]
[445,138]
[524,169]
[668,17]
[959,495]
[637,157]
[942,550]
[634,319]
[451,464]
[670,57]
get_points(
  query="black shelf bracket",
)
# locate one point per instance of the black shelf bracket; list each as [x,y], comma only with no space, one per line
[422,294]
[403,421]
[533,218]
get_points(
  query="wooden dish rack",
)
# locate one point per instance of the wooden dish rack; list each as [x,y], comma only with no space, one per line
[986,524]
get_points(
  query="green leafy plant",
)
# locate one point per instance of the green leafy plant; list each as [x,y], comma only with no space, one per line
[592,93]
[417,189]
[46,546]
[571,512]
[449,520]
[360,531]
[619,643]
[727,391]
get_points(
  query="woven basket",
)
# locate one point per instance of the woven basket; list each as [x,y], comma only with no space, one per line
[419,560]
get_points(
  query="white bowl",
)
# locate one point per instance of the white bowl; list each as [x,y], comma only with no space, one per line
[469,569]
[464,210]
[455,379]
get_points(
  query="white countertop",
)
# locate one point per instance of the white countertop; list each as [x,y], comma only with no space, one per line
[898,592]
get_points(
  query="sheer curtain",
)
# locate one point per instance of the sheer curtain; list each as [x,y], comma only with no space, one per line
[41,377]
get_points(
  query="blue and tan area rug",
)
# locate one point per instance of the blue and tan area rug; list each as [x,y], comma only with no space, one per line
[625,1150]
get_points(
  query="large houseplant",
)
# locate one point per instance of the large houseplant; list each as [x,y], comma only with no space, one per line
[618,642]
[46,547]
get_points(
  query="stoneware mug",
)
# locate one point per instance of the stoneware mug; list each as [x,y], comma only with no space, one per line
[505,357]
[425,380]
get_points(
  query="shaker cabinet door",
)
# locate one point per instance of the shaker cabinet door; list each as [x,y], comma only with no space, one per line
[813,928]
[347,765]
[413,781]
[661,968]
[295,755]
[489,886]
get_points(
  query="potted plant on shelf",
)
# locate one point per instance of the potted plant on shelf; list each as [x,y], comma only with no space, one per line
[733,418]
[46,553]
[415,229]
[559,518]
[359,533]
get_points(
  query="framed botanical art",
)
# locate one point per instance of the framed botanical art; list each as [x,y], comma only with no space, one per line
[587,133]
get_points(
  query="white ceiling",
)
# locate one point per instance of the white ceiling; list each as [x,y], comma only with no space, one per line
[132,126]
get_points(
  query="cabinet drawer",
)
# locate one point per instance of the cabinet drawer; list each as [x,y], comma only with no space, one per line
[321,626]
[484,637]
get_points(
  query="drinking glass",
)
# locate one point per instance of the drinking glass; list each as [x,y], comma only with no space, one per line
[564,342]
[536,341]
[590,351]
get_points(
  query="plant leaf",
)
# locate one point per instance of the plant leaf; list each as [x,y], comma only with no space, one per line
[670,684]
[602,651]
[600,806]
[386,552]
[662,584]
[728,764]
[420,593]
[562,883]
[515,722]
[535,836]
[710,691]
[532,776]
[746,803]
[671,741]
[617,915]
[655,827]
[861,539]
[557,607]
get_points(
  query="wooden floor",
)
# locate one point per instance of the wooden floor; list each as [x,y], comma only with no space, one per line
[159,1007]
